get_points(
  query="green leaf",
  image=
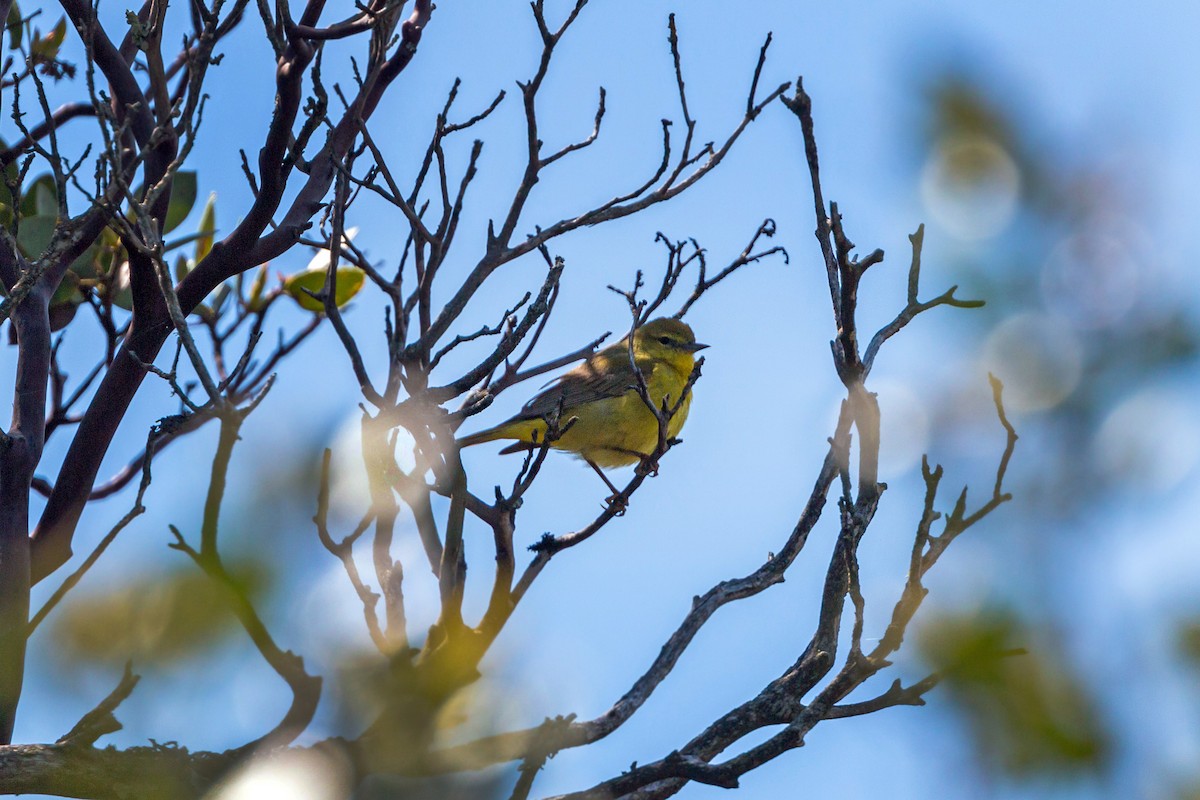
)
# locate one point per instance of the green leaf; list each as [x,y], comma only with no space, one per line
[46,198]
[47,46]
[40,197]
[35,234]
[85,266]
[207,229]
[347,283]
[15,29]
[183,198]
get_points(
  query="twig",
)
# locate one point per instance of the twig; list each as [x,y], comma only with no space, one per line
[101,720]
[914,306]
[344,551]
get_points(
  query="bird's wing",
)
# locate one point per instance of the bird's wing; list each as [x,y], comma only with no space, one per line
[584,384]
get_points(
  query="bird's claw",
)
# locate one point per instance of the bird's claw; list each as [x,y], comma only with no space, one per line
[619,502]
[647,466]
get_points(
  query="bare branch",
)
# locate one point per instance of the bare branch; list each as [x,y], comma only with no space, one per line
[914,306]
[344,551]
[571,148]
[801,105]
[100,720]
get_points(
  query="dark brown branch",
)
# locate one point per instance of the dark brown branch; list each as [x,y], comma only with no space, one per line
[508,343]
[914,306]
[122,478]
[502,250]
[571,148]
[100,721]
[510,746]
[513,377]
[486,330]
[20,452]
[240,251]
[747,256]
[161,430]
[780,702]
[62,115]
[801,105]
[344,550]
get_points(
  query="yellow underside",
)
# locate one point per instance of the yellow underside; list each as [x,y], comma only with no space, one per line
[612,432]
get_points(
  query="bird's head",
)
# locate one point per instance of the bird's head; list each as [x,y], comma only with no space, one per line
[667,339]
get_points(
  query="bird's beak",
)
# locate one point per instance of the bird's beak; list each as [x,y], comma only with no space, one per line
[694,347]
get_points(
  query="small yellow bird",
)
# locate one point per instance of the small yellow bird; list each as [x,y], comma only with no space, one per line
[612,427]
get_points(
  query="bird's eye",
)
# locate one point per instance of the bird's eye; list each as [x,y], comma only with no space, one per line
[664,340]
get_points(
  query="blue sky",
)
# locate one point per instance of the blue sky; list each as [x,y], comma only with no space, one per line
[1113,85]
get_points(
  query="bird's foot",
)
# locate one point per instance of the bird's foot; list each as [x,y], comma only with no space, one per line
[619,502]
[647,465]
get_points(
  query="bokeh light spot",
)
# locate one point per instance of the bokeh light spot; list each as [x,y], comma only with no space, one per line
[1039,358]
[970,186]
[1149,441]
[350,491]
[1092,277]
[904,428]
[291,775]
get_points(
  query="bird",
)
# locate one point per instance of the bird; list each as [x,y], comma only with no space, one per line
[602,416]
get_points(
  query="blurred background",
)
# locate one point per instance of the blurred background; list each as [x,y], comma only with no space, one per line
[1050,152]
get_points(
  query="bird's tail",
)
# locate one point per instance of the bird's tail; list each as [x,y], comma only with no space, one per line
[526,432]
[490,435]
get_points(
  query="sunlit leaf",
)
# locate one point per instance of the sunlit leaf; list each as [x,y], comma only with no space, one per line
[109,246]
[348,282]
[322,257]
[210,311]
[47,46]
[254,300]
[207,229]
[183,198]
[1031,714]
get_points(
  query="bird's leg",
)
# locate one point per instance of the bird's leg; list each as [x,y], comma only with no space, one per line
[615,498]
[648,465]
